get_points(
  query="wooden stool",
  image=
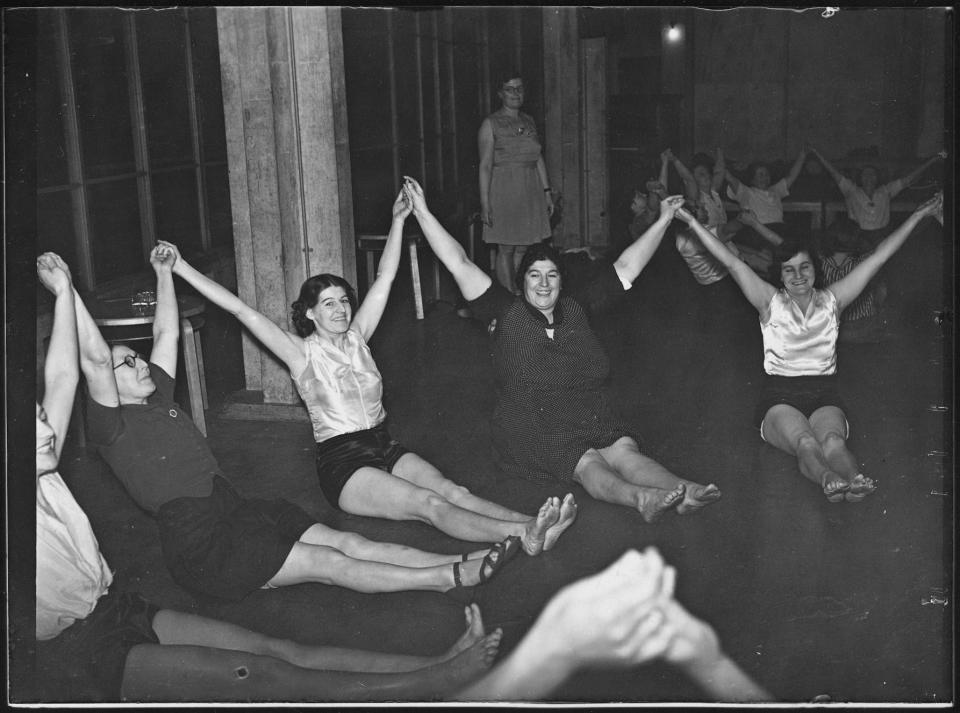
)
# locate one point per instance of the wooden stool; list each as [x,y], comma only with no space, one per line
[369,244]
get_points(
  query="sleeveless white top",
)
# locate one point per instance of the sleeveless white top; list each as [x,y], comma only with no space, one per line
[705,267]
[797,343]
[716,214]
[72,575]
[342,389]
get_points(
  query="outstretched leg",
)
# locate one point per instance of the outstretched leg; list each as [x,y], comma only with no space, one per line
[831,428]
[784,427]
[375,493]
[183,629]
[418,471]
[361,548]
[604,483]
[625,457]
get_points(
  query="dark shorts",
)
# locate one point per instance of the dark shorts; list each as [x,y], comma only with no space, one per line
[340,457]
[225,546]
[804,393]
[85,662]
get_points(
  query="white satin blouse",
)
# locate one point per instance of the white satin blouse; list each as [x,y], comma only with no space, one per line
[342,389]
[797,343]
[72,575]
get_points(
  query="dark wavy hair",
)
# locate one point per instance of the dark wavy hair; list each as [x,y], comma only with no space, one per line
[539,251]
[702,159]
[501,78]
[309,293]
[790,248]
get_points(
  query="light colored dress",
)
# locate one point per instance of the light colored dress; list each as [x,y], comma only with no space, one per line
[797,343]
[72,575]
[516,192]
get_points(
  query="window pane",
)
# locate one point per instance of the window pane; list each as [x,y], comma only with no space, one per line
[55,227]
[161,43]
[115,228]
[206,62]
[99,68]
[175,209]
[218,206]
[51,148]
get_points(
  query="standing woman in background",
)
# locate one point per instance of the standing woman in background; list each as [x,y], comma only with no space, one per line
[515,198]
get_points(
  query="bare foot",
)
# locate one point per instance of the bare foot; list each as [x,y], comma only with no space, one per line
[697,497]
[653,502]
[860,487]
[834,487]
[472,634]
[568,513]
[535,535]
[468,665]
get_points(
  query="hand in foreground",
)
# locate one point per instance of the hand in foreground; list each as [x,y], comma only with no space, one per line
[670,205]
[53,273]
[414,191]
[692,639]
[403,205]
[612,617]
[930,207]
[747,217]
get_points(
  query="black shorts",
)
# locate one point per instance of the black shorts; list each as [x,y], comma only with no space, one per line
[226,546]
[804,393]
[340,457]
[85,662]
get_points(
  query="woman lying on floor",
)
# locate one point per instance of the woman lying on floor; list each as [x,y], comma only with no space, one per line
[95,645]
[214,541]
[553,419]
[800,411]
[362,470]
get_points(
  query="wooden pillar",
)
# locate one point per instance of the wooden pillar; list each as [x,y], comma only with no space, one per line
[561,109]
[288,156]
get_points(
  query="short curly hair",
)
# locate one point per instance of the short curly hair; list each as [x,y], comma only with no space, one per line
[309,294]
[790,248]
[539,251]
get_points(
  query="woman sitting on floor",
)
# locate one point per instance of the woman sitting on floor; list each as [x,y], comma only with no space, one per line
[553,419]
[362,470]
[98,643]
[800,411]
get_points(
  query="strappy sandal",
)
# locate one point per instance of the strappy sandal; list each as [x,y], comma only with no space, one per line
[498,556]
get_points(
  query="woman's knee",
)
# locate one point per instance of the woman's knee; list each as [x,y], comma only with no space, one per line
[832,440]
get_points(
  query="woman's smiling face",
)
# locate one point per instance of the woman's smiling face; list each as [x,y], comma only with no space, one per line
[541,285]
[798,274]
[332,313]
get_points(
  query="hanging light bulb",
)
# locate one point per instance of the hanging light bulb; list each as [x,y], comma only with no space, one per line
[674,33]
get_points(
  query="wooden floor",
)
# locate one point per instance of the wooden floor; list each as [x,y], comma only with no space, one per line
[810,598]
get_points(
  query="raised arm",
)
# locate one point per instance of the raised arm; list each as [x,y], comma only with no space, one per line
[286,346]
[831,169]
[371,310]
[166,319]
[747,217]
[690,187]
[60,371]
[848,288]
[894,187]
[471,280]
[797,167]
[734,182]
[545,182]
[485,148]
[757,291]
[96,359]
[632,260]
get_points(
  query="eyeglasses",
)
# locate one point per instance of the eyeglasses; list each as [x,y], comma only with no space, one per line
[511,89]
[130,360]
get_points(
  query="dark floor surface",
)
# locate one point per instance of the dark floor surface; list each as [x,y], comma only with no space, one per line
[809,597]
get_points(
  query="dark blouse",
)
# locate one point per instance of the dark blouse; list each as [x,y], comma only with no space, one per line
[553,403]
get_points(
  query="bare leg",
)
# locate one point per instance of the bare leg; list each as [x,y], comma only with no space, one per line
[625,457]
[154,672]
[416,470]
[508,259]
[784,427]
[375,493]
[830,426]
[326,565]
[359,547]
[604,483]
[182,629]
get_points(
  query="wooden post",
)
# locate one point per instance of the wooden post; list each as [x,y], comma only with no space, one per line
[288,158]
[561,101]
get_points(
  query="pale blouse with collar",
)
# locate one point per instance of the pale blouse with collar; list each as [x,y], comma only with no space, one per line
[342,388]
[797,343]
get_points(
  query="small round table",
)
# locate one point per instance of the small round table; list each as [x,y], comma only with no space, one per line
[120,312]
